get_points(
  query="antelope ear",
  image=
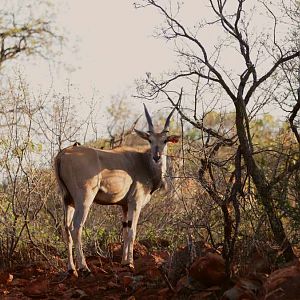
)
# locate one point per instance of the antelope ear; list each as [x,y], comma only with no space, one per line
[142,134]
[173,139]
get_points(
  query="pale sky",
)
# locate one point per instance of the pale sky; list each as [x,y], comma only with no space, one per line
[114,46]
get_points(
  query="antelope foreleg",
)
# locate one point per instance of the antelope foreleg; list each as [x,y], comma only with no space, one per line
[133,216]
[125,236]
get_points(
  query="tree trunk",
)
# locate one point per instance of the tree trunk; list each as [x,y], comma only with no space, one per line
[276,225]
[263,189]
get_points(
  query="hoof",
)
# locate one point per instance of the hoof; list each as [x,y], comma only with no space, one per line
[128,265]
[83,273]
[71,273]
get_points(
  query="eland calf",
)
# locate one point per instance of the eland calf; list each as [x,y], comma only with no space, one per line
[122,176]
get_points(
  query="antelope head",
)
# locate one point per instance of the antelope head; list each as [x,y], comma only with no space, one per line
[157,140]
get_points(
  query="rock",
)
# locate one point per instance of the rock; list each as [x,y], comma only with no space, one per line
[61,287]
[6,278]
[185,287]
[208,270]
[165,293]
[127,281]
[165,255]
[20,282]
[149,266]
[148,294]
[118,268]
[183,283]
[246,288]
[284,284]
[204,295]
[116,251]
[37,289]
[183,258]
[112,285]
[97,260]
[79,294]
[139,250]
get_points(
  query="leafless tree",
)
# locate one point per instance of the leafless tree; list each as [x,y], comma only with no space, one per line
[32,130]
[245,84]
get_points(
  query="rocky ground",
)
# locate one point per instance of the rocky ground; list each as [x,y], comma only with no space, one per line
[154,277]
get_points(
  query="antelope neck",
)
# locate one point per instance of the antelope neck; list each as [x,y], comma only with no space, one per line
[158,171]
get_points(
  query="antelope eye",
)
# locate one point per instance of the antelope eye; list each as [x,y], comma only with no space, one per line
[165,141]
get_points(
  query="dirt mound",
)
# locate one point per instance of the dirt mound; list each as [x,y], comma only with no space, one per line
[109,280]
[284,284]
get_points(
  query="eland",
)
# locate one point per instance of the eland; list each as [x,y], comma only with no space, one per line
[123,176]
